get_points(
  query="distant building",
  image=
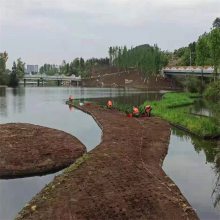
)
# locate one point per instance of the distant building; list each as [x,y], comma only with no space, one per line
[32,69]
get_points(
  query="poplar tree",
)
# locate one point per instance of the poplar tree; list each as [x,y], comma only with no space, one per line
[214,42]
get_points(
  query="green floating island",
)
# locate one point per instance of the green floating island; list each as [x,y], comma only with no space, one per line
[169,109]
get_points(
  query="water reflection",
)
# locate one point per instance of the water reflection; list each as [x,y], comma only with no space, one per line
[18,99]
[2,91]
[131,99]
[3,102]
[206,108]
[199,179]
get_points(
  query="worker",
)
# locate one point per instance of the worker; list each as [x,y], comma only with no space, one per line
[70,98]
[109,104]
[136,112]
[148,109]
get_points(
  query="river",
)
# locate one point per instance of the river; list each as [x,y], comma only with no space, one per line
[46,106]
[192,163]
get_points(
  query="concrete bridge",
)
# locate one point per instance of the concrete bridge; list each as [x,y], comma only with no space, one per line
[40,79]
[199,71]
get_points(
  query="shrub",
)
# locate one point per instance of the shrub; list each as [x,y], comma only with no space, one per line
[213,90]
[194,85]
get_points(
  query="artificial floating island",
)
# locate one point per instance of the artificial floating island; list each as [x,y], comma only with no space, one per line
[28,150]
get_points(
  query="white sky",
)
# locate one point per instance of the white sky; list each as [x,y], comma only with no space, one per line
[48,31]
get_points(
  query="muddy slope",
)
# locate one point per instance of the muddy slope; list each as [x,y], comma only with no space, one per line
[122,178]
[132,79]
[27,149]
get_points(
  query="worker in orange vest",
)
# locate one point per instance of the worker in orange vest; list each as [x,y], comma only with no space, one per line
[136,112]
[109,104]
[71,98]
[148,110]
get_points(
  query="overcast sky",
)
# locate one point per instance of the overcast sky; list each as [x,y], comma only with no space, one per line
[48,31]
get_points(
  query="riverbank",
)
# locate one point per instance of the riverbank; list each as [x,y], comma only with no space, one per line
[169,109]
[121,178]
[27,150]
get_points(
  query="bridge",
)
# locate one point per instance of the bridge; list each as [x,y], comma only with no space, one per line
[199,71]
[40,79]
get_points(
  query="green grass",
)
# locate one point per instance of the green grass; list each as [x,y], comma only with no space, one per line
[76,164]
[168,109]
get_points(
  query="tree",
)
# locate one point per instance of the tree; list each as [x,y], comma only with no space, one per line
[147,59]
[192,50]
[110,52]
[216,23]
[3,74]
[63,68]
[13,78]
[81,63]
[202,50]
[214,42]
[20,68]
[3,60]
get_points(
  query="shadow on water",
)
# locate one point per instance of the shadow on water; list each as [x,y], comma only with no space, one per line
[194,165]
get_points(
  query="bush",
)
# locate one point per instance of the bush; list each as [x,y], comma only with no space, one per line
[213,90]
[4,79]
[194,85]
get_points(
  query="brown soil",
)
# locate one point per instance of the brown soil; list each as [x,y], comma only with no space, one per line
[130,78]
[27,149]
[121,178]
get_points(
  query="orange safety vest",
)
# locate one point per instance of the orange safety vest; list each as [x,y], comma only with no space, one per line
[148,108]
[109,104]
[71,98]
[135,111]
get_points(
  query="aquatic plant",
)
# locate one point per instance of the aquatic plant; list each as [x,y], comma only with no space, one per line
[168,109]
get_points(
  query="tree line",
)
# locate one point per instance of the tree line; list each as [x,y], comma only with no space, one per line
[78,67]
[7,77]
[145,58]
[205,51]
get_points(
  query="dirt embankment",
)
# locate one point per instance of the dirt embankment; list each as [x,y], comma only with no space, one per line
[27,149]
[121,178]
[130,78]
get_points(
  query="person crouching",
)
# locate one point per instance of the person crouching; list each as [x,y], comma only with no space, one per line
[70,98]
[135,112]
[109,104]
[148,109]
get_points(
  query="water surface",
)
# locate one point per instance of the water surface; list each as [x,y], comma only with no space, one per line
[194,165]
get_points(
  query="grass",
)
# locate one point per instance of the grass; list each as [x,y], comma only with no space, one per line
[76,164]
[168,109]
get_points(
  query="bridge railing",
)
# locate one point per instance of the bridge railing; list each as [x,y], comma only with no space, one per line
[188,70]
